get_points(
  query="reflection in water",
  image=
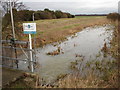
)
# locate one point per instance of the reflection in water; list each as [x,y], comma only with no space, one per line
[87,43]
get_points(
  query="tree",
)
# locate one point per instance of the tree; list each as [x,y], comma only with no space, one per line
[58,14]
[47,10]
[15,5]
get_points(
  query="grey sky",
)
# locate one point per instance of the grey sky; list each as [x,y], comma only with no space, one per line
[75,6]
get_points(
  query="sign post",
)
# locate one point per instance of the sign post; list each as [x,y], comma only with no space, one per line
[31,58]
[30,28]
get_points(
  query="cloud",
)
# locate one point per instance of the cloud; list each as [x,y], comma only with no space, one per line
[77,6]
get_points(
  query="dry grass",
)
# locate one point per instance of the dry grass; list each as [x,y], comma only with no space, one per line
[54,30]
[91,81]
[26,80]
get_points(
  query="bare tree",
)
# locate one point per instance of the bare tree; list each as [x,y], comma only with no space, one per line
[14,3]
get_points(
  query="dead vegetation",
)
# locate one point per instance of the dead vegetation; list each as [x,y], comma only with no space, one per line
[100,74]
[26,80]
[56,52]
[105,49]
[91,81]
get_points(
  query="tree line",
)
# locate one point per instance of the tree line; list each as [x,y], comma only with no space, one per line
[27,15]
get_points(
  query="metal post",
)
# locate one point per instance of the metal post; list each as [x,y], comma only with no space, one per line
[31,58]
[12,20]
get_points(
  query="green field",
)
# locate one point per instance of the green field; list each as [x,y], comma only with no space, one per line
[89,16]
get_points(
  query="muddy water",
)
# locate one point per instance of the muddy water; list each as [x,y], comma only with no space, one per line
[87,43]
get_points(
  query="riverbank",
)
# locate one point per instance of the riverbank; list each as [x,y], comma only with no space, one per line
[9,75]
[54,30]
[12,78]
[49,31]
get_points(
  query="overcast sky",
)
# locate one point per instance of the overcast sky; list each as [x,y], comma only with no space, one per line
[75,6]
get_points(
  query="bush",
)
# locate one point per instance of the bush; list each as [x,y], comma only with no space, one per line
[113,16]
[58,14]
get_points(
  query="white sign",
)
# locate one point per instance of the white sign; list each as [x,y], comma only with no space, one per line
[29,28]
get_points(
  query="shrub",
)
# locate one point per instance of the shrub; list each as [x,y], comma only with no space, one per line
[113,16]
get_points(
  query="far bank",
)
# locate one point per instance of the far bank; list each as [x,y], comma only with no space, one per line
[54,30]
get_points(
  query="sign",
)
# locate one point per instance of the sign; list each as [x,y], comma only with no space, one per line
[29,28]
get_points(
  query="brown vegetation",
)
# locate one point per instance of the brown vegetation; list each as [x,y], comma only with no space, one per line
[91,81]
[56,52]
[113,16]
[26,80]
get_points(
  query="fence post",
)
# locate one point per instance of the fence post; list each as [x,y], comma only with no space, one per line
[31,56]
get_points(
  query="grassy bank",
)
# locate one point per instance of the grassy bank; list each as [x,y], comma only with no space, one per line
[54,30]
[49,31]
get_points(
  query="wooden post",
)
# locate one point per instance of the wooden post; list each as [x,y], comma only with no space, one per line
[31,56]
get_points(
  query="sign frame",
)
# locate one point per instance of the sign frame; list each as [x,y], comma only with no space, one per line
[29,28]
